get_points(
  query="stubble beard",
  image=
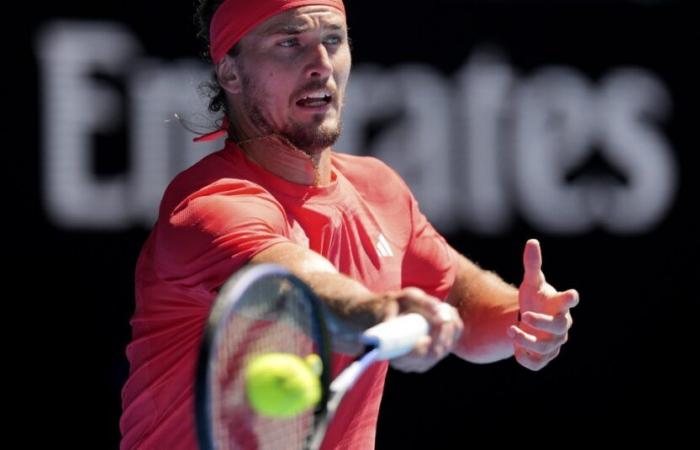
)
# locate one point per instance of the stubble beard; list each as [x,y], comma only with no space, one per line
[309,138]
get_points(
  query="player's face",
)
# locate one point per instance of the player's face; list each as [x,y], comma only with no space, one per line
[295,68]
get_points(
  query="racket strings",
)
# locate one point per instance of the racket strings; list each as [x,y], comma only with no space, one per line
[272,317]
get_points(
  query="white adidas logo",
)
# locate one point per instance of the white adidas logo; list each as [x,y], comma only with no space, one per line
[383,247]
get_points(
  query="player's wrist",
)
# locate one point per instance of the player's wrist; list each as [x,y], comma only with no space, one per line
[369,309]
[378,308]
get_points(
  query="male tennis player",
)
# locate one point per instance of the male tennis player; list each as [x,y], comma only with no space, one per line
[347,225]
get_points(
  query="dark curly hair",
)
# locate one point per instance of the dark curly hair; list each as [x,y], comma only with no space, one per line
[202,19]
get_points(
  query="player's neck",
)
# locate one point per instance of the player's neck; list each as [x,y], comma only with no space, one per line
[277,155]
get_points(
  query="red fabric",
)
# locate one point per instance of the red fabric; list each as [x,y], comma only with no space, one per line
[215,217]
[234,18]
[216,134]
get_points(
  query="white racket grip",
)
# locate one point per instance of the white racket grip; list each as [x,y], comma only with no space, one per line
[347,377]
[396,337]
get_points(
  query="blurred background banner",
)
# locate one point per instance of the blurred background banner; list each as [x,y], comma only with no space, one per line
[567,121]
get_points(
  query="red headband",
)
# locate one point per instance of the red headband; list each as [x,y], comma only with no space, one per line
[234,18]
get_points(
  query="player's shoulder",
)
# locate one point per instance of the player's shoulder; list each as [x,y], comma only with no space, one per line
[213,175]
[368,171]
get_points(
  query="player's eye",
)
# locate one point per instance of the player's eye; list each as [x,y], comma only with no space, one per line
[289,43]
[335,39]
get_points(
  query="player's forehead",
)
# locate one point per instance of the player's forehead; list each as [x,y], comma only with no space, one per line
[300,19]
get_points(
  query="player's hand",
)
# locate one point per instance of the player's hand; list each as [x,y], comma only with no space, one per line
[545,317]
[445,328]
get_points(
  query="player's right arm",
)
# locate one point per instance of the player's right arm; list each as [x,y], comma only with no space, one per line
[346,297]
[359,308]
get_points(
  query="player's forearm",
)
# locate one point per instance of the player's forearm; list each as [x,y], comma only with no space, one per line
[488,306]
[348,299]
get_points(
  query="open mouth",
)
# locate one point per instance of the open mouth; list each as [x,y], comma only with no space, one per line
[314,101]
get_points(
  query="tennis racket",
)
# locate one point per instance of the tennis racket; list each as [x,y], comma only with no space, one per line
[261,309]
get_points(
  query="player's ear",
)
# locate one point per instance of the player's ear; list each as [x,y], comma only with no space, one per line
[228,74]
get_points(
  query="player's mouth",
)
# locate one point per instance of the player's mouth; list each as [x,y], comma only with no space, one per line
[316,101]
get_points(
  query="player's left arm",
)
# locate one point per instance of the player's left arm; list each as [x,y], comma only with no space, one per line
[489,309]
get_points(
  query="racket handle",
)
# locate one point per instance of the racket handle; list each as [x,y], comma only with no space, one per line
[396,337]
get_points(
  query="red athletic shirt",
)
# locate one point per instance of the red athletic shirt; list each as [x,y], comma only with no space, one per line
[218,214]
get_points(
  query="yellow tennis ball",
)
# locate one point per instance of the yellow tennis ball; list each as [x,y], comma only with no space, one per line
[315,364]
[282,384]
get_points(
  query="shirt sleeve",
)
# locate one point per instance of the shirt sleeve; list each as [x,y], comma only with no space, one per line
[428,263]
[214,232]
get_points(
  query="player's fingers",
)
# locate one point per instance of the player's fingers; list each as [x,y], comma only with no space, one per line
[566,300]
[530,360]
[424,356]
[404,364]
[534,361]
[408,362]
[447,332]
[542,345]
[557,324]
[419,360]
[422,347]
[552,355]
[437,313]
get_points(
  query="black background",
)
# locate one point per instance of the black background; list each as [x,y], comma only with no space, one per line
[634,342]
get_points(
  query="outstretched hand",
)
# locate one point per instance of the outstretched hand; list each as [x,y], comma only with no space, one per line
[545,316]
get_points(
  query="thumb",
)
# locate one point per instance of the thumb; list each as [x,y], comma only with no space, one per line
[532,262]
